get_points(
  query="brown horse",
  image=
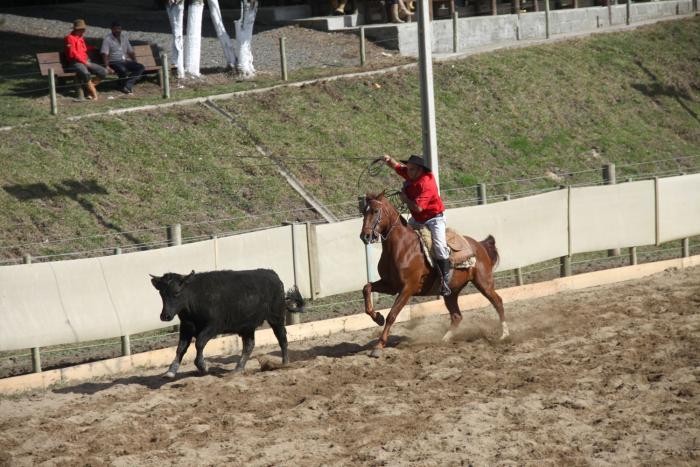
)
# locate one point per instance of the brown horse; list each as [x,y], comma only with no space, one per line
[404,269]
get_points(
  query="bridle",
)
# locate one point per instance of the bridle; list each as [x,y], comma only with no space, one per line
[378,220]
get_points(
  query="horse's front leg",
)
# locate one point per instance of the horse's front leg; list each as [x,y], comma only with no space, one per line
[381,287]
[396,308]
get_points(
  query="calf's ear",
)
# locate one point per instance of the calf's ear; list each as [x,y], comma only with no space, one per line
[155,280]
[188,278]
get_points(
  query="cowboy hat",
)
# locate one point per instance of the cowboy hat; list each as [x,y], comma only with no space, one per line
[79,24]
[417,160]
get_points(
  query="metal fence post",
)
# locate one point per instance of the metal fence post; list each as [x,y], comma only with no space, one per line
[165,67]
[685,247]
[565,266]
[363,53]
[283,59]
[174,235]
[633,255]
[546,19]
[627,12]
[52,92]
[36,354]
[312,245]
[610,178]
[455,31]
[518,273]
[125,340]
[481,193]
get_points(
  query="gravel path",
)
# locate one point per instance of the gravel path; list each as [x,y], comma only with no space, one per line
[305,48]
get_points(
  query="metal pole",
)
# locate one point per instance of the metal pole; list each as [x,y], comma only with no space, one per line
[627,12]
[633,255]
[610,178]
[607,3]
[685,247]
[283,59]
[52,91]
[36,360]
[363,56]
[518,276]
[126,341]
[174,235]
[36,355]
[565,266]
[425,60]
[166,76]
[546,19]
[455,32]
[481,193]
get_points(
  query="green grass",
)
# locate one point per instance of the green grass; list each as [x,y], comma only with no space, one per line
[563,109]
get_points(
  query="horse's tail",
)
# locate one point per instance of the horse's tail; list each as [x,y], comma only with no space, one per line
[294,301]
[489,243]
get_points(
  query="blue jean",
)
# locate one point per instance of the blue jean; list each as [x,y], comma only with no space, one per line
[122,67]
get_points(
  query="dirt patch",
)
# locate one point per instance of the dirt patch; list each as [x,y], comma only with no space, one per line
[607,375]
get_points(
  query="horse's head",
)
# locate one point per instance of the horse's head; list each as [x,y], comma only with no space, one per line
[376,218]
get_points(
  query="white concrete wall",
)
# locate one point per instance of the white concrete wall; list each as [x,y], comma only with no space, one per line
[679,207]
[80,300]
[612,216]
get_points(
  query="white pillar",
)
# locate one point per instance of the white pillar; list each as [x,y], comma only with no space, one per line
[244,38]
[176,10]
[193,44]
[425,62]
[226,44]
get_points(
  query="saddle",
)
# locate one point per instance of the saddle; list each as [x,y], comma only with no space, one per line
[462,256]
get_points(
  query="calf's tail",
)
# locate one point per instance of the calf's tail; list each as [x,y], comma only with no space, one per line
[294,300]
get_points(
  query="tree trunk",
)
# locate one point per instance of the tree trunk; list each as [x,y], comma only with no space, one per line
[176,11]
[217,20]
[194,37]
[244,38]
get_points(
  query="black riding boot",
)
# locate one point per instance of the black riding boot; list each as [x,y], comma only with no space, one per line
[444,266]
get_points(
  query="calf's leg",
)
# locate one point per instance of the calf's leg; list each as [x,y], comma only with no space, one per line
[186,333]
[281,334]
[248,346]
[202,339]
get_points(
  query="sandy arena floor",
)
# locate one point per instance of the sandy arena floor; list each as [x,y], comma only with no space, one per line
[605,376]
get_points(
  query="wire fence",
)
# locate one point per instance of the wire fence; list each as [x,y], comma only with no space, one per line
[45,249]
[19,362]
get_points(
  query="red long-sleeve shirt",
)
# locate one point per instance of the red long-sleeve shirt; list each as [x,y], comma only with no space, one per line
[423,192]
[76,49]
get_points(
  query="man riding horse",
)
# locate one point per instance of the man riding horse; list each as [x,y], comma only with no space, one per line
[420,193]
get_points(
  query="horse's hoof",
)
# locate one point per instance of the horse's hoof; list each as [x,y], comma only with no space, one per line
[169,375]
[379,319]
[375,353]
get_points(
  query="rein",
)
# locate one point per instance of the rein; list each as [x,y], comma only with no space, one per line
[378,219]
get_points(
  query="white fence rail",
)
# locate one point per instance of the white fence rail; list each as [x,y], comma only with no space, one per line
[80,300]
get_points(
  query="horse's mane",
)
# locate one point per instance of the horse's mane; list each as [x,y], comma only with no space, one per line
[382,197]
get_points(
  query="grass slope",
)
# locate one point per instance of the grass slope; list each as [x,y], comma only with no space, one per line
[548,112]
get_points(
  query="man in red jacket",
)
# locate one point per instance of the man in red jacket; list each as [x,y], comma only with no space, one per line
[420,193]
[77,56]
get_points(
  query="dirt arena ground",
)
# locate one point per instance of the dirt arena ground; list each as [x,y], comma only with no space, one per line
[604,376]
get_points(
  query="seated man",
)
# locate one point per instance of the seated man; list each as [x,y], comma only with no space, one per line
[115,50]
[420,193]
[77,56]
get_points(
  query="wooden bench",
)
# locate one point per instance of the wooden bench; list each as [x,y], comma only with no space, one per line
[56,61]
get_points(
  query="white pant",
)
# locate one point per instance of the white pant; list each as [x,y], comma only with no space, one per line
[436,225]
